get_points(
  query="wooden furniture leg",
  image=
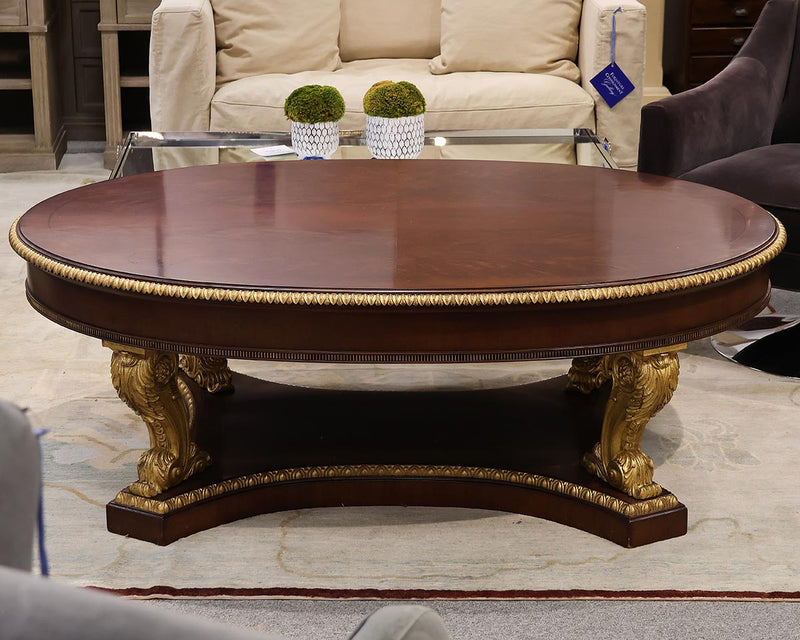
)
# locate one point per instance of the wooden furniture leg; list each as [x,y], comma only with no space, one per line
[642,384]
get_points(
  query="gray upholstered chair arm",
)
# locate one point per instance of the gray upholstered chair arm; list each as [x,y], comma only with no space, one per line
[32,607]
[20,475]
[402,622]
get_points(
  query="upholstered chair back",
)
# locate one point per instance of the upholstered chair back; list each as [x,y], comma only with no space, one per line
[787,127]
[760,70]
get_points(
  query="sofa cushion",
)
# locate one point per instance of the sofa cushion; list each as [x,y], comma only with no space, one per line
[467,100]
[768,176]
[389,29]
[531,36]
[275,36]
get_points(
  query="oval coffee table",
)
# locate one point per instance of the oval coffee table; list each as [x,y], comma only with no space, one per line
[396,262]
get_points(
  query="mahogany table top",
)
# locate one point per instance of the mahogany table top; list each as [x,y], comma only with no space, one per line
[397,226]
[397,261]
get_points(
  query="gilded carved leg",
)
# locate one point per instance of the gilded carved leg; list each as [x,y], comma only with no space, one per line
[642,384]
[588,374]
[148,382]
[209,372]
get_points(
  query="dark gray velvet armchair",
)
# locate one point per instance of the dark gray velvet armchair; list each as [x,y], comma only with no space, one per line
[740,131]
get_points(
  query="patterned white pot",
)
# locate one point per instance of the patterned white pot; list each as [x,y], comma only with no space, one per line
[395,137]
[315,139]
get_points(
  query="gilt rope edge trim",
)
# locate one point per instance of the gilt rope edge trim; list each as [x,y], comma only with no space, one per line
[315,298]
[364,471]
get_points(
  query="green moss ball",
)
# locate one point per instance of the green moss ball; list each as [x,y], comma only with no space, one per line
[389,99]
[314,103]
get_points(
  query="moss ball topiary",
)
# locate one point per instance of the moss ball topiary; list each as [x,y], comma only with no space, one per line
[388,99]
[314,103]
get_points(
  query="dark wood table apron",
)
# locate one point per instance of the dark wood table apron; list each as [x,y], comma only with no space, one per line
[396,262]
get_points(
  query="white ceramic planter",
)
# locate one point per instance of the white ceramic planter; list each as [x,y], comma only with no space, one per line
[315,139]
[395,137]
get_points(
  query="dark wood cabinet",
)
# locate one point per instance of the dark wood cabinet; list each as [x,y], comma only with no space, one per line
[702,36]
[125,35]
[13,13]
[81,70]
[31,130]
[71,70]
[104,46]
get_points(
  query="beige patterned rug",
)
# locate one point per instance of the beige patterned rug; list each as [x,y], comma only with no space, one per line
[727,446]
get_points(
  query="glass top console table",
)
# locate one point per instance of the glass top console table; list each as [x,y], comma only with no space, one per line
[145,151]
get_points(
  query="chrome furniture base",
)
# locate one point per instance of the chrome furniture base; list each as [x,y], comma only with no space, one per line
[767,343]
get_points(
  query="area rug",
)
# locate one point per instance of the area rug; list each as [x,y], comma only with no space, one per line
[727,445]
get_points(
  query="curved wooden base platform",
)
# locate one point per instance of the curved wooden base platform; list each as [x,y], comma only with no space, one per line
[276,447]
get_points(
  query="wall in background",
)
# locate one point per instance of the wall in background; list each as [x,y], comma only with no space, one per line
[654,88]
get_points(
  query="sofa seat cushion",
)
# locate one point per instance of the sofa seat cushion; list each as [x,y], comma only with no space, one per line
[464,100]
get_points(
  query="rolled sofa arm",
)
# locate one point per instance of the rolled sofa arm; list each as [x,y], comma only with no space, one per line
[183,77]
[620,124]
[183,65]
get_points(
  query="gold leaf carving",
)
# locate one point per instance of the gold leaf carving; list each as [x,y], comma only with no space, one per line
[642,385]
[558,296]
[210,372]
[147,382]
[628,509]
[588,373]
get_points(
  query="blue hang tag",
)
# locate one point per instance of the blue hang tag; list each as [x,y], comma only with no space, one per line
[612,84]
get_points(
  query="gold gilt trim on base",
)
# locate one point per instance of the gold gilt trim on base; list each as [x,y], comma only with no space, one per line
[340,298]
[563,487]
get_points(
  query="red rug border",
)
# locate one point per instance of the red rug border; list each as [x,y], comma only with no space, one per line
[165,592]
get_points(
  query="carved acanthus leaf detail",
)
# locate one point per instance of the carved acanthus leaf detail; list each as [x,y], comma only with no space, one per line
[642,385]
[148,383]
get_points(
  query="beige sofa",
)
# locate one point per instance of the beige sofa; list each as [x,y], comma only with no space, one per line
[228,65]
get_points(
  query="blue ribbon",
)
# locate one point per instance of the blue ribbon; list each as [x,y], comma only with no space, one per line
[43,563]
[614,33]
